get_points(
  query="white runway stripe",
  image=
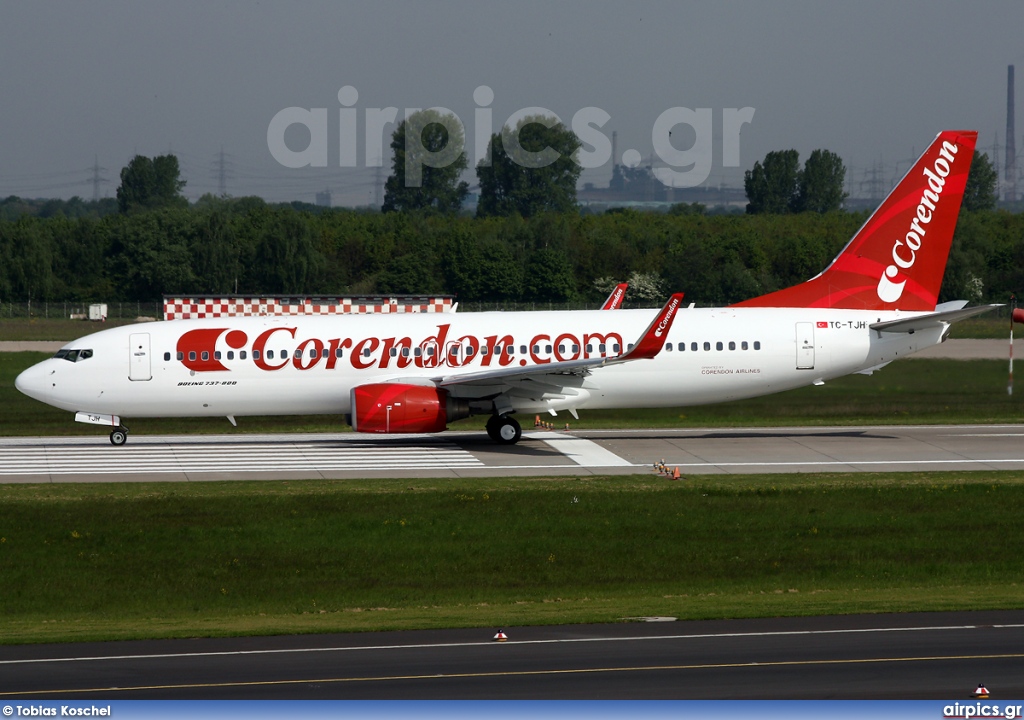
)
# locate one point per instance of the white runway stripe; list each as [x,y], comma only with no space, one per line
[233,456]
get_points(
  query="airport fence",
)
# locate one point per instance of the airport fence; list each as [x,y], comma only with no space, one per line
[79,309]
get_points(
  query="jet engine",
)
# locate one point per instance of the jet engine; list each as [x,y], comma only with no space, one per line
[401,408]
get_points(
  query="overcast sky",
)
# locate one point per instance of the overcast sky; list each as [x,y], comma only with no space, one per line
[872,80]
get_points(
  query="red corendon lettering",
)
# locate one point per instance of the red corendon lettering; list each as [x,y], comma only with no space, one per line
[573,341]
[435,343]
[462,351]
[357,353]
[491,342]
[400,345]
[534,343]
[259,346]
[605,340]
[333,345]
[301,353]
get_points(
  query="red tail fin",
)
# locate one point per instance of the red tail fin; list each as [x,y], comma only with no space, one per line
[614,301]
[897,259]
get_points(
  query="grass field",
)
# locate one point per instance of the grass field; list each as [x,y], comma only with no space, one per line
[157,560]
[908,391]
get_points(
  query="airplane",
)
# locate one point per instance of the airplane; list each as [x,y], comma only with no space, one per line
[415,373]
[614,301]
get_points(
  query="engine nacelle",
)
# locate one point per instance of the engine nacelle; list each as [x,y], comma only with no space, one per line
[400,408]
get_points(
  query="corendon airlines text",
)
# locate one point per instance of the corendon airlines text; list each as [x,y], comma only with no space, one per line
[275,349]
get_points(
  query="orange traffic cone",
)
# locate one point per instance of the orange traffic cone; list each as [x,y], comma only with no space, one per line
[981,692]
[675,473]
[501,636]
[536,421]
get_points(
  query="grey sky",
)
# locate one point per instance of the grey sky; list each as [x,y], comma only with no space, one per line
[872,80]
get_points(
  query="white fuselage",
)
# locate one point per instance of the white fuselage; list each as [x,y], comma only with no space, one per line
[148,370]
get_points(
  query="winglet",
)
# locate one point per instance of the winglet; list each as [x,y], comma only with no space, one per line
[651,342]
[614,301]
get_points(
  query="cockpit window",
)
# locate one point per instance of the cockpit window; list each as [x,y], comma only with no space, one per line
[73,355]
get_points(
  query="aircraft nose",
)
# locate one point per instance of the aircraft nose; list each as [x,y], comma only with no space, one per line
[32,382]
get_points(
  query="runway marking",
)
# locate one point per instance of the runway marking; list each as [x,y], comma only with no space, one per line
[581,451]
[247,457]
[478,643]
[516,673]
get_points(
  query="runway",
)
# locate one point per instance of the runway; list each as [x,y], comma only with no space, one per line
[913,656]
[472,454]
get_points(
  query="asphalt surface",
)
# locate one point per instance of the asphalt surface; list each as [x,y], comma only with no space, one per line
[912,656]
[540,453]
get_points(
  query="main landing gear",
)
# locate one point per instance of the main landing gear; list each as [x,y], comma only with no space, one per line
[504,429]
[119,436]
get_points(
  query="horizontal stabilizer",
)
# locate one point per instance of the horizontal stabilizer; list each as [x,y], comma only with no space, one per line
[931,320]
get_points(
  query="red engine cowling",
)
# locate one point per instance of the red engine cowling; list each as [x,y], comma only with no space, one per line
[400,408]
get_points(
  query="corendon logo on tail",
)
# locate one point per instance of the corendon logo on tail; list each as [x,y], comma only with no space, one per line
[665,321]
[904,252]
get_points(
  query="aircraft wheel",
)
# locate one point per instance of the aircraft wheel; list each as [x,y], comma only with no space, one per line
[492,428]
[118,436]
[507,430]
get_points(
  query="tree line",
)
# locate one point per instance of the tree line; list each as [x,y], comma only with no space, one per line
[226,245]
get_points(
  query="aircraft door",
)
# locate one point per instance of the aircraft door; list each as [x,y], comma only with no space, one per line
[804,346]
[138,357]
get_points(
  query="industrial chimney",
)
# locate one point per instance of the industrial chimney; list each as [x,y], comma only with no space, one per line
[1011,133]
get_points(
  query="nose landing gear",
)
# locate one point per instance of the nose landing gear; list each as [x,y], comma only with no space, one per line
[119,436]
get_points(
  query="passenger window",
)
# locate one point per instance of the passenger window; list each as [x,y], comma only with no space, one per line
[231,354]
[312,352]
[536,349]
[693,347]
[270,354]
[483,350]
[682,347]
[616,347]
[707,346]
[192,355]
[394,352]
[241,354]
[469,351]
[366,352]
[757,344]
[325,353]
[718,345]
[732,345]
[601,347]
[181,356]
[430,351]
[206,355]
[561,349]
[338,352]
[575,349]
[590,348]
[743,345]
[216,354]
[522,349]
[509,349]
[405,352]
[668,346]
[255,354]
[547,349]
[167,356]
[418,352]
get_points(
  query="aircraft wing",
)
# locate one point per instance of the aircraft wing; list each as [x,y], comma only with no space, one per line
[559,373]
[931,320]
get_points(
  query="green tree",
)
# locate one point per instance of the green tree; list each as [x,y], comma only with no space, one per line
[772,186]
[549,277]
[533,169]
[980,193]
[428,158]
[149,183]
[820,183]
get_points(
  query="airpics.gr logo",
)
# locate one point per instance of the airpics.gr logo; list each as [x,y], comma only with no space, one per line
[904,252]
